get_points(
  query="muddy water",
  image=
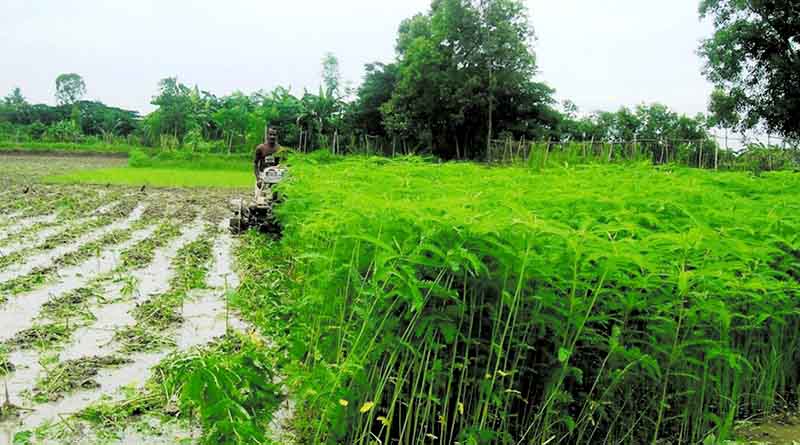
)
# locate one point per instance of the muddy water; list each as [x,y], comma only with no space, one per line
[5,221]
[28,368]
[204,321]
[222,275]
[206,312]
[36,240]
[46,258]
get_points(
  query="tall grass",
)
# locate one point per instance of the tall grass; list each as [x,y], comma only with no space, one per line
[596,304]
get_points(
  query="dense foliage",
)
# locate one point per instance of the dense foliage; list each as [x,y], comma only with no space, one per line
[754,60]
[73,122]
[433,303]
[465,73]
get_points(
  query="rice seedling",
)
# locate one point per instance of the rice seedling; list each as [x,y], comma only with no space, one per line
[593,304]
[159,177]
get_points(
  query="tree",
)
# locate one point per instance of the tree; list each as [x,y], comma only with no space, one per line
[465,72]
[175,114]
[379,83]
[723,114]
[233,118]
[70,88]
[722,110]
[753,58]
[331,76]
[15,99]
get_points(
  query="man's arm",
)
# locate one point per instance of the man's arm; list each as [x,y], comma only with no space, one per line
[256,161]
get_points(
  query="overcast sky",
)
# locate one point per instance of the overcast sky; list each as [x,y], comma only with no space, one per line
[601,54]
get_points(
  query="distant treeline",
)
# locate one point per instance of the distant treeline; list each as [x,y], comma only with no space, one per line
[464,76]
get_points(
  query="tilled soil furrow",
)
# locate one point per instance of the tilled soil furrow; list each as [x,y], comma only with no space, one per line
[35,234]
[50,256]
[82,359]
[97,338]
[53,200]
[49,236]
[107,381]
[18,226]
[222,275]
[19,312]
[28,203]
[29,241]
[204,321]
[203,318]
[65,230]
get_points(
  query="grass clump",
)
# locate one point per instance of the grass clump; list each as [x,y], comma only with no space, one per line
[597,304]
[74,232]
[6,367]
[13,258]
[138,338]
[71,305]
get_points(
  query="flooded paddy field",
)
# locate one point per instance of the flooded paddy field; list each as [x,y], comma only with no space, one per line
[98,286]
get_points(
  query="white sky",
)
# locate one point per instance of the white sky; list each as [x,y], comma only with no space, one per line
[601,54]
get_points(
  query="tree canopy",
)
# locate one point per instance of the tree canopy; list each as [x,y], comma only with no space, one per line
[464,74]
[70,88]
[753,59]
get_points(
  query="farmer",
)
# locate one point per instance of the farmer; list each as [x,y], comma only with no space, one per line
[265,153]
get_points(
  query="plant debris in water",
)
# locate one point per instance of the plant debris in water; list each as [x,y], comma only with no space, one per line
[68,376]
[6,367]
[71,305]
[140,338]
[143,252]
[42,336]
[162,311]
[41,275]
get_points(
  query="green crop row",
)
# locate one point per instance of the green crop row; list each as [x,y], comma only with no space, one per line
[442,303]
